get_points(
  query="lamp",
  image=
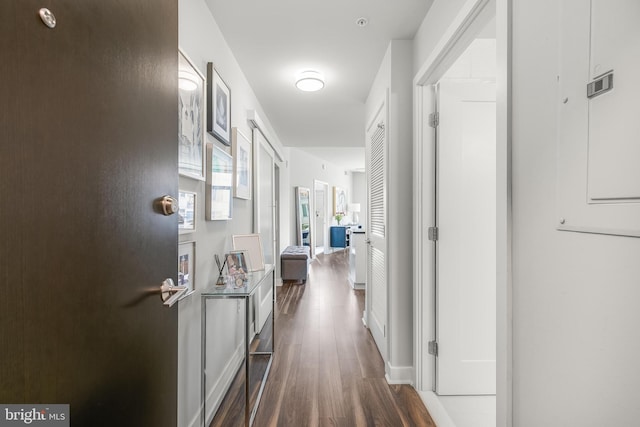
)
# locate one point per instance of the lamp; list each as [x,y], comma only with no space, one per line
[354,208]
[310,81]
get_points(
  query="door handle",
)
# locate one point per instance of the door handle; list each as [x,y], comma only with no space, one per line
[167,288]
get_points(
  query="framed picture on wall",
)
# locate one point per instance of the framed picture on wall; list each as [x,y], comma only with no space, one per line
[218,106]
[339,201]
[242,162]
[186,212]
[186,266]
[219,190]
[191,119]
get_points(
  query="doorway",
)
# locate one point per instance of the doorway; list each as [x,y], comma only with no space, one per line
[461,180]
[321,203]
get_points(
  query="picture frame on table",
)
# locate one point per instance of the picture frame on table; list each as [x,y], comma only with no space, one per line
[219,188]
[191,119]
[237,267]
[218,106]
[186,266]
[186,212]
[242,165]
[251,244]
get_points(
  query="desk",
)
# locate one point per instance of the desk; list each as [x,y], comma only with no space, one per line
[255,280]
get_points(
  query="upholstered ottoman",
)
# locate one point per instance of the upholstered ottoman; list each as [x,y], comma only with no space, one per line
[294,263]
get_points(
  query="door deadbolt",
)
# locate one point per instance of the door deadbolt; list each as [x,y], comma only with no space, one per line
[168,205]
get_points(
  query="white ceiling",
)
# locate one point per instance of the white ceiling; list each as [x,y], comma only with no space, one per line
[276,39]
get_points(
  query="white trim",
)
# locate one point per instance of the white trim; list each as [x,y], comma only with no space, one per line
[399,374]
[454,40]
[219,389]
[437,411]
[504,233]
[439,60]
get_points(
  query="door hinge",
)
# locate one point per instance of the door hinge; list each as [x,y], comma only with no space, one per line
[434,120]
[433,233]
[433,348]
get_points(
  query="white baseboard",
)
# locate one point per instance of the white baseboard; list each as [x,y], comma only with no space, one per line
[436,409]
[222,384]
[399,374]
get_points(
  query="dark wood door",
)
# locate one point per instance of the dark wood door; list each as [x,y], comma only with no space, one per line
[88,126]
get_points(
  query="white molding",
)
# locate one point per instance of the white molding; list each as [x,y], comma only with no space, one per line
[399,374]
[504,233]
[195,421]
[221,386]
[418,227]
[437,411]
[436,63]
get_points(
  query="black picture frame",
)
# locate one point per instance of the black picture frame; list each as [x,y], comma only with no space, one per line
[218,106]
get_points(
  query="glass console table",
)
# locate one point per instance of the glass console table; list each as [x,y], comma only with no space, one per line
[256,279]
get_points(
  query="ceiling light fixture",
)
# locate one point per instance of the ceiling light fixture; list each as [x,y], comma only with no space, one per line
[310,81]
[187,81]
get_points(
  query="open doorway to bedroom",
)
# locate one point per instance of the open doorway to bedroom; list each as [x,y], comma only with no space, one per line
[321,215]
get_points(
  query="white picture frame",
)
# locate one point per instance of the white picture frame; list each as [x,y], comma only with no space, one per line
[186,212]
[219,189]
[191,119]
[242,164]
[252,246]
[339,201]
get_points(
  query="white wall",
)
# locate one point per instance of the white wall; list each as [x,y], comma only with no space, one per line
[395,75]
[201,40]
[304,168]
[576,344]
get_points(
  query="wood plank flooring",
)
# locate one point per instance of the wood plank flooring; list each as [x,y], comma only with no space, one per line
[327,370]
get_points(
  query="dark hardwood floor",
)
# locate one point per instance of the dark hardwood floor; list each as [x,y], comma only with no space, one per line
[327,370]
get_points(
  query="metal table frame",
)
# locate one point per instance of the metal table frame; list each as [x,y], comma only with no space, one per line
[255,280]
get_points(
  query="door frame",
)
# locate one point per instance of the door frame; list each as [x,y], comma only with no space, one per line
[473,15]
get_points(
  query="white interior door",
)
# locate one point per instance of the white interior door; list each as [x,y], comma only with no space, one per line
[376,287]
[466,245]
[265,219]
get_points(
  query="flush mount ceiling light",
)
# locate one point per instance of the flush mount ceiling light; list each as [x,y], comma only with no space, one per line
[309,81]
[187,81]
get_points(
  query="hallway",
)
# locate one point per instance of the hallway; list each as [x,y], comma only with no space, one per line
[327,370]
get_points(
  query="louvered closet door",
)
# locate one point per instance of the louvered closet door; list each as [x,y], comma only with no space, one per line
[376,262]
